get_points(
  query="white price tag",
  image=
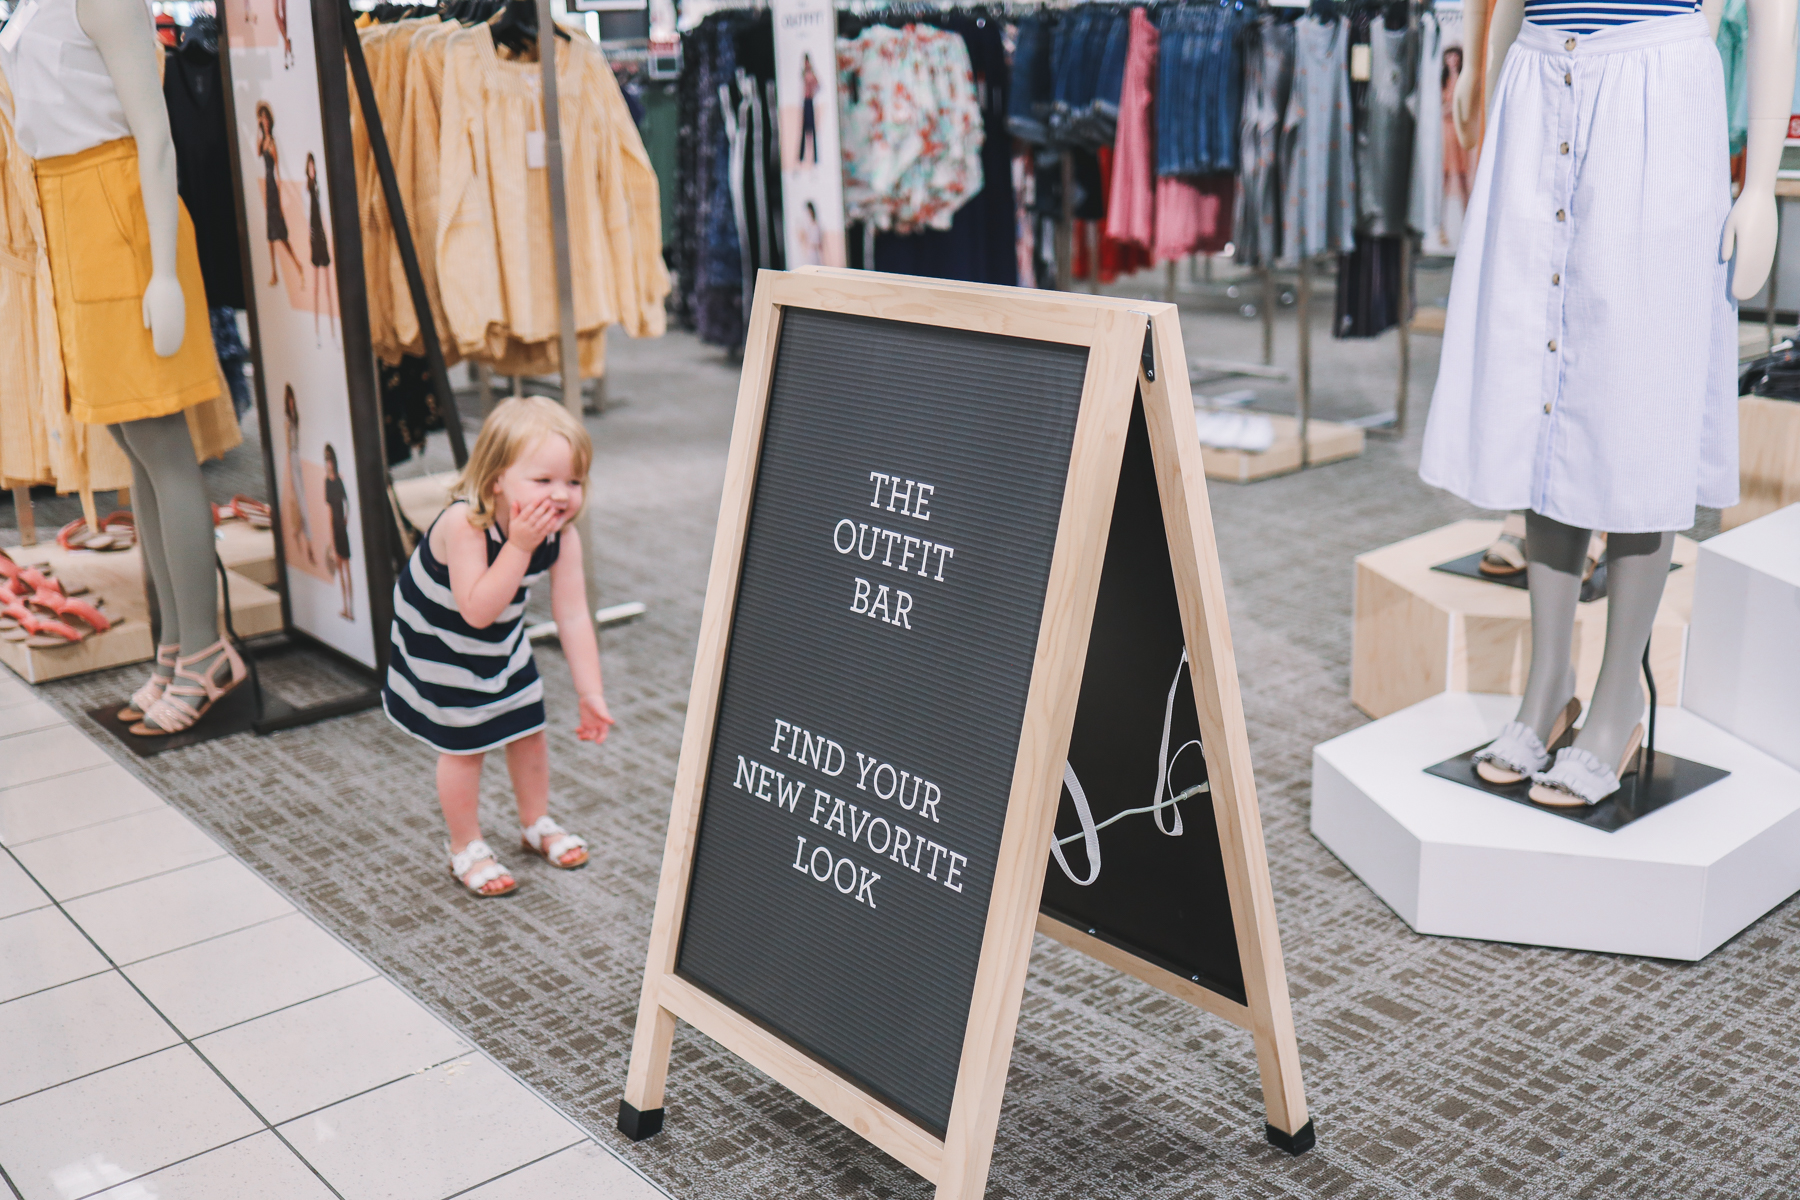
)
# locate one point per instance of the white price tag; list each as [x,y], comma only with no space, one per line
[15,28]
[1362,64]
[535,158]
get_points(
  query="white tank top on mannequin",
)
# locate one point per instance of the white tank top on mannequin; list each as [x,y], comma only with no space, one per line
[64,100]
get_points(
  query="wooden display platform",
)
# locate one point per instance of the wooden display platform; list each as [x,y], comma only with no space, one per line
[247,550]
[422,499]
[1768,459]
[118,577]
[1418,632]
[1329,441]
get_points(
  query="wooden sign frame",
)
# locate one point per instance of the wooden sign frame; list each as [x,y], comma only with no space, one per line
[1130,343]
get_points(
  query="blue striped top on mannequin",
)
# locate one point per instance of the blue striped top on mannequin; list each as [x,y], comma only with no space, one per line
[1591,16]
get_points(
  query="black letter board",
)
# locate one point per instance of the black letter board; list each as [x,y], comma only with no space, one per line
[875,980]
[919,504]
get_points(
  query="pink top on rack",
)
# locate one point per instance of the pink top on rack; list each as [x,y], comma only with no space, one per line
[1131,206]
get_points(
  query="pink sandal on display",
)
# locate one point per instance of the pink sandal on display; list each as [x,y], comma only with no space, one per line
[153,688]
[553,844]
[174,711]
[462,869]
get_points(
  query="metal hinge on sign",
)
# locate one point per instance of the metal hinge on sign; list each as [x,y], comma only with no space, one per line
[1149,358]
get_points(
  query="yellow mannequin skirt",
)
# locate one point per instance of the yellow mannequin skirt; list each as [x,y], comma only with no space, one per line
[98,242]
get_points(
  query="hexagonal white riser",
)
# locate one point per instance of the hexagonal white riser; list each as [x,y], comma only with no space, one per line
[1450,860]
[1743,652]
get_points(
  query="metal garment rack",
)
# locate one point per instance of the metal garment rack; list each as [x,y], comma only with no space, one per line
[569,356]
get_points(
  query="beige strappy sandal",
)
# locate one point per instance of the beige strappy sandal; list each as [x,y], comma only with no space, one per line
[153,688]
[174,710]
[1506,557]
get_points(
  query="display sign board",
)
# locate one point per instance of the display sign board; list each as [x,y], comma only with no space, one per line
[917,540]
[812,176]
[315,376]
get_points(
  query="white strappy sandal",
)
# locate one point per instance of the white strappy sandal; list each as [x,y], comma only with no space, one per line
[552,842]
[462,869]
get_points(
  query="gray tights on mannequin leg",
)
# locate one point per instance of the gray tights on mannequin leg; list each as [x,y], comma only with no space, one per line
[1637,566]
[174,525]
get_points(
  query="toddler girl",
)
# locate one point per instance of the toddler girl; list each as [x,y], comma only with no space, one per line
[461,676]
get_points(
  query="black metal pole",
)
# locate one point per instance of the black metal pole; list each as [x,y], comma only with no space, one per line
[409,255]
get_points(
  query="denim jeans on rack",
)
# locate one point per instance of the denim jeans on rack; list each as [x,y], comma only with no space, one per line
[1033,79]
[1104,120]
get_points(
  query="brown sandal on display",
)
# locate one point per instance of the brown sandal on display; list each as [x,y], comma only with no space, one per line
[174,711]
[1506,557]
[153,688]
[252,512]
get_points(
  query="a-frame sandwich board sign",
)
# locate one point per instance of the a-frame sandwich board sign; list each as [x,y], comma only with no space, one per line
[905,581]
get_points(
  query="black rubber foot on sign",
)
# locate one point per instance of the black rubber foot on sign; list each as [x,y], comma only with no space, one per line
[640,1125]
[1297,1142]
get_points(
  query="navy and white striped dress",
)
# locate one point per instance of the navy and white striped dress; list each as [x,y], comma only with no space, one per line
[1591,16]
[461,689]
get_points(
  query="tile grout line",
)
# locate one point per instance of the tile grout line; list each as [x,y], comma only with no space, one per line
[44,837]
[186,1159]
[185,1040]
[10,1185]
[113,887]
[285,1007]
[515,1170]
[311,1112]
[209,938]
[52,987]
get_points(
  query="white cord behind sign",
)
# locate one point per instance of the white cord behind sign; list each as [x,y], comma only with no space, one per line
[1162,798]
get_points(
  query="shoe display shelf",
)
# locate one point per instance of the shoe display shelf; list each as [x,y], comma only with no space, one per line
[1418,631]
[1328,442]
[1454,861]
[1768,459]
[117,579]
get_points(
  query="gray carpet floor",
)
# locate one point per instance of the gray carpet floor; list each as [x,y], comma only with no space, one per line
[1434,1067]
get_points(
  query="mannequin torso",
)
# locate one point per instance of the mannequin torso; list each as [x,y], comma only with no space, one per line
[65,101]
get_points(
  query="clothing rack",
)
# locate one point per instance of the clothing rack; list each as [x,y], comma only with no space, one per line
[569,361]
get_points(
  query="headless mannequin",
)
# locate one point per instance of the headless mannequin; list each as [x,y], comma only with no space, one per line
[1637,563]
[173,520]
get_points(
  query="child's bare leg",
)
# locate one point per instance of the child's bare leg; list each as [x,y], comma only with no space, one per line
[459,794]
[528,762]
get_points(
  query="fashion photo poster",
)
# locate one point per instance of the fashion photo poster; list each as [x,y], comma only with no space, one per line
[1455,173]
[281,146]
[812,182]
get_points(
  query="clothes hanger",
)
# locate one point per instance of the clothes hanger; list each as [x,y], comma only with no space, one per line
[517,27]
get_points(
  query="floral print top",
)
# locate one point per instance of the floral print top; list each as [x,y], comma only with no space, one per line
[911,129]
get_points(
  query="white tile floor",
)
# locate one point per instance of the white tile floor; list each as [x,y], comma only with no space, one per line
[172,1029]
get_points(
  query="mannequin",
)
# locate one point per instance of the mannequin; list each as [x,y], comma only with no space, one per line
[1640,452]
[90,110]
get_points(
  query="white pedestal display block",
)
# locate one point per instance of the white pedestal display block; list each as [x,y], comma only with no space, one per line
[1744,640]
[1455,861]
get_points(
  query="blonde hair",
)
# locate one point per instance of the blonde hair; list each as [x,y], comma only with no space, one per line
[509,431]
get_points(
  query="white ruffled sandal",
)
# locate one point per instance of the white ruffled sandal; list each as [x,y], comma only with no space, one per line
[462,869]
[552,843]
[1517,752]
[1579,779]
